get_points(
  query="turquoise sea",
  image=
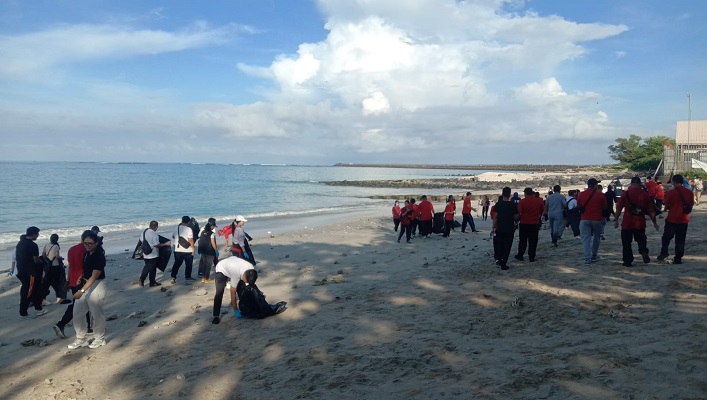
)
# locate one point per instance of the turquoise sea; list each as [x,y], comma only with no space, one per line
[121,198]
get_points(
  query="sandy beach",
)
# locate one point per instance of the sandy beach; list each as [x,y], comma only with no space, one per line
[369,318]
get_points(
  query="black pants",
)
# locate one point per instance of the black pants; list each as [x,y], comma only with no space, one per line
[150,269]
[396,221]
[574,218]
[484,212]
[416,226]
[187,258]
[505,242]
[448,227]
[425,227]
[205,263]
[31,283]
[528,238]
[55,278]
[221,281]
[69,313]
[679,231]
[467,218]
[627,237]
[407,230]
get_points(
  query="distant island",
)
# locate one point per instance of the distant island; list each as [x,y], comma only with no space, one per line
[482,167]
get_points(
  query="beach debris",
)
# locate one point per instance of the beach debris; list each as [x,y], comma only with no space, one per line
[48,381]
[340,272]
[195,308]
[517,302]
[169,293]
[613,314]
[337,278]
[34,342]
[135,314]
[201,292]
[126,250]
[294,286]
[181,377]
[3,344]
[163,289]
[141,324]
[112,317]
[287,256]
[320,283]
[168,323]
[162,311]
[336,262]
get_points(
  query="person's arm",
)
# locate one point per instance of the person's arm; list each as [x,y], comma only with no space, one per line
[234,297]
[12,269]
[191,243]
[94,276]
[214,245]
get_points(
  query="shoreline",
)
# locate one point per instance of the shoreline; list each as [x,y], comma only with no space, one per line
[488,167]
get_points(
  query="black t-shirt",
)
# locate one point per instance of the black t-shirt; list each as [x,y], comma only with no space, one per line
[505,216]
[95,261]
[25,252]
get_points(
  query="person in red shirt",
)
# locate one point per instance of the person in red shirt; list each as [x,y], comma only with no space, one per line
[449,216]
[426,213]
[530,209]
[396,214]
[592,205]
[407,214]
[415,222]
[651,186]
[633,225]
[466,214]
[676,201]
[659,197]
[75,258]
[492,213]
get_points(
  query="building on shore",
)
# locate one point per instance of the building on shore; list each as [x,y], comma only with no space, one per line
[690,143]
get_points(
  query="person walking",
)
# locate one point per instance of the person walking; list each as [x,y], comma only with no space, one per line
[555,204]
[29,272]
[75,257]
[678,203]
[485,208]
[659,198]
[54,273]
[637,204]
[530,208]
[208,250]
[91,296]
[396,215]
[152,260]
[467,218]
[184,250]
[407,215]
[573,214]
[592,205]
[698,188]
[426,213]
[449,216]
[504,226]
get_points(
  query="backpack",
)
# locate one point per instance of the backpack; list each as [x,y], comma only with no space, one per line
[252,303]
[146,248]
[632,208]
[582,208]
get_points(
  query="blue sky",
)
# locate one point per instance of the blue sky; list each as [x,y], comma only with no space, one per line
[320,82]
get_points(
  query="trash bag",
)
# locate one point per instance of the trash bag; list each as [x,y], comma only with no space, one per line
[165,254]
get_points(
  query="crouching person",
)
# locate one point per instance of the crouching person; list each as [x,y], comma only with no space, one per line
[251,301]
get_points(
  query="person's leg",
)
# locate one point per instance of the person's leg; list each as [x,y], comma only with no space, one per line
[96,297]
[597,227]
[680,235]
[574,223]
[153,270]
[24,292]
[465,220]
[640,236]
[447,228]
[188,265]
[37,294]
[79,317]
[668,233]
[507,244]
[626,250]
[145,272]
[408,232]
[585,229]
[533,231]
[69,313]
[209,260]
[403,228]
[496,248]
[396,221]
[471,223]
[178,259]
[522,240]
[221,281]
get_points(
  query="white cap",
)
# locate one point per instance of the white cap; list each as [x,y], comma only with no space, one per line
[240,218]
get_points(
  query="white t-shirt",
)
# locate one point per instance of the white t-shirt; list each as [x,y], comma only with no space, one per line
[233,267]
[571,202]
[51,251]
[153,239]
[186,233]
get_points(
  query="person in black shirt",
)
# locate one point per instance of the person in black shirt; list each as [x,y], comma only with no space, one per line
[504,226]
[29,272]
[92,294]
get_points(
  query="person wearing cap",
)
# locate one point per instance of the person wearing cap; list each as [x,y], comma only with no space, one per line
[208,249]
[466,214]
[530,209]
[677,220]
[97,231]
[396,214]
[239,240]
[29,272]
[592,205]
[183,250]
[504,226]
[554,210]
[637,203]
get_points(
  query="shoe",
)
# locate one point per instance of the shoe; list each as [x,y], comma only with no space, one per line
[96,343]
[677,261]
[554,244]
[498,262]
[59,330]
[141,282]
[40,313]
[587,264]
[646,258]
[398,240]
[409,241]
[602,237]
[189,279]
[519,258]
[200,275]
[65,301]
[24,317]
[173,281]
[595,259]
[153,284]
[78,343]
[627,265]
[504,267]
[216,320]
[531,259]
[661,257]
[45,302]
[204,280]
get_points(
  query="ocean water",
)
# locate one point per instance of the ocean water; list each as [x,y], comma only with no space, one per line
[67,198]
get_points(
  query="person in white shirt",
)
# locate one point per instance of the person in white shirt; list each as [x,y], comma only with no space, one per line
[183,249]
[229,269]
[150,236]
[573,214]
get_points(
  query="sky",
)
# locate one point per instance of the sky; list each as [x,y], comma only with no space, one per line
[319,82]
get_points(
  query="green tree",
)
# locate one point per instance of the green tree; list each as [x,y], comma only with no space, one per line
[637,153]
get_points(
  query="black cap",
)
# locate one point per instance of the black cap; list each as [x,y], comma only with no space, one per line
[186,219]
[32,230]
[636,179]
[592,182]
[95,229]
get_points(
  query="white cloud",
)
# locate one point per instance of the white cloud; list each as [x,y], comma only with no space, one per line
[376,103]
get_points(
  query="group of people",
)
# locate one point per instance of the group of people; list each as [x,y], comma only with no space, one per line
[586,212]
[86,274]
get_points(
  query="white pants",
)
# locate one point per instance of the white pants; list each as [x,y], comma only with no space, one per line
[91,301]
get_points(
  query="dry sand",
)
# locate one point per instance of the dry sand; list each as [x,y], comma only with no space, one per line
[369,318]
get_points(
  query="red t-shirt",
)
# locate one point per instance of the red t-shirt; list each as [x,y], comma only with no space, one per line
[594,209]
[639,198]
[75,258]
[226,231]
[449,212]
[674,202]
[425,211]
[492,212]
[396,212]
[530,209]
[660,192]
[466,208]
[406,215]
[652,188]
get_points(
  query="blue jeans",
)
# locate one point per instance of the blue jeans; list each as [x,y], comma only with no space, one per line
[557,225]
[590,230]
